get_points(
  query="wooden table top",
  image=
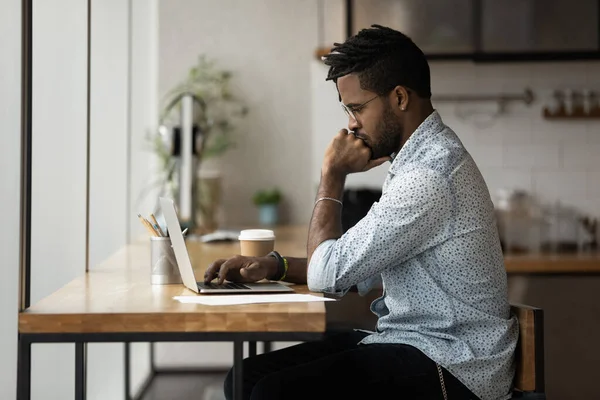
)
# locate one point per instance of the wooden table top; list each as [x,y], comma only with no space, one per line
[117,296]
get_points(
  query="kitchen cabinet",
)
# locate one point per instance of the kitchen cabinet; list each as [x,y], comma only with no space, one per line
[437,27]
[488,30]
[529,26]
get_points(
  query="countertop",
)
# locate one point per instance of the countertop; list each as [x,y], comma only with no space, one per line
[540,263]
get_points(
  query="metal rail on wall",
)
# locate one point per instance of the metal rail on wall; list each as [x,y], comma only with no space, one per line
[502,99]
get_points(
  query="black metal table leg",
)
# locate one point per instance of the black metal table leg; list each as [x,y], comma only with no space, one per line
[267,347]
[127,370]
[24,369]
[251,349]
[80,371]
[238,359]
[152,358]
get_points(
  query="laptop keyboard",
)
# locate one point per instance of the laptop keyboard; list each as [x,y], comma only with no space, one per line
[226,285]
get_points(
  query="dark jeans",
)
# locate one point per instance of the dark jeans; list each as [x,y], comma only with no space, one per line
[338,368]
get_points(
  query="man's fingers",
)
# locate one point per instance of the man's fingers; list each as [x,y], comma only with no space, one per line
[375,163]
[225,267]
[212,270]
[251,272]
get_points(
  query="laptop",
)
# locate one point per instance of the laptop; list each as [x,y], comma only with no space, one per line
[185,265]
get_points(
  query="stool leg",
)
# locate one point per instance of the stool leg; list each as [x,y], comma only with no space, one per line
[238,359]
[266,347]
[251,349]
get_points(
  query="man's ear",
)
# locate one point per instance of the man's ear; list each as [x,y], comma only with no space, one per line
[402,99]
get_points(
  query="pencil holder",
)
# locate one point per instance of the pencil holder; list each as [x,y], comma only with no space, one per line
[163,262]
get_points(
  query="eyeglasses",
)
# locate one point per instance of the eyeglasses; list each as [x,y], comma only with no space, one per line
[350,111]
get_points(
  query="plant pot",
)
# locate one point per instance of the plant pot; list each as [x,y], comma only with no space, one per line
[208,201]
[268,214]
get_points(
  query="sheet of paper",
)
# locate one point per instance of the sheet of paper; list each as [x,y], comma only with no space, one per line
[228,300]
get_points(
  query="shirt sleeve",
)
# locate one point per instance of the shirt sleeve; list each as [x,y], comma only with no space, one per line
[413,214]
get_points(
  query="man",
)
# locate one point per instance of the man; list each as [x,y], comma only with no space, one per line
[444,327]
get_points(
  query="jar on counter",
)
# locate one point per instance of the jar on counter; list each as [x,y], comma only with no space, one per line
[566,231]
[520,221]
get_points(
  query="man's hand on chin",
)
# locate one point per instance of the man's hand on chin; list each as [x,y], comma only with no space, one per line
[347,154]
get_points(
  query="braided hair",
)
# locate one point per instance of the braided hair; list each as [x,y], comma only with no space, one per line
[382,58]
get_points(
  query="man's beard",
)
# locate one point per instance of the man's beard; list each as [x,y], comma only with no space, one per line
[390,131]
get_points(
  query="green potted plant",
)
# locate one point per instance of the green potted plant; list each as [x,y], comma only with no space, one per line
[218,114]
[267,201]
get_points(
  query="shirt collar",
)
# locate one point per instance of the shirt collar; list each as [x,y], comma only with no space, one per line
[424,132]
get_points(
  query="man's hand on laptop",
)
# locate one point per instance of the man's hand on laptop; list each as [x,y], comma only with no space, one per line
[241,269]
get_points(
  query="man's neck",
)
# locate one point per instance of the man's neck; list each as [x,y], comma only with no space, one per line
[415,119]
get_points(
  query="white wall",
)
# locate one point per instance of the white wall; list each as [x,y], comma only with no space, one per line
[108,127]
[268,46]
[123,104]
[59,119]
[10,118]
[108,170]
[143,86]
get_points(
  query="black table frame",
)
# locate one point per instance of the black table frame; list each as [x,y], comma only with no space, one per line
[80,339]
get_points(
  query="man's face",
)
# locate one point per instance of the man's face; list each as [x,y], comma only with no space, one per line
[377,122]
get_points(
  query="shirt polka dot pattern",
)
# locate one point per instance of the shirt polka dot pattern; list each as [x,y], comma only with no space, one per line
[432,240]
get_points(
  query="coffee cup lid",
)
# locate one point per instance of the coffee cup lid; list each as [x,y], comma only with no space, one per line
[257,234]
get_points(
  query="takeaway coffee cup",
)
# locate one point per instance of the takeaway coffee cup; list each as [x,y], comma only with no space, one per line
[256,242]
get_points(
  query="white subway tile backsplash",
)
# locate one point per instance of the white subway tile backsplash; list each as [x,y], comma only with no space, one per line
[593,132]
[555,184]
[593,183]
[589,206]
[510,78]
[463,130]
[514,130]
[552,75]
[490,135]
[593,74]
[487,155]
[531,155]
[552,131]
[469,141]
[574,132]
[580,156]
[452,77]
[506,178]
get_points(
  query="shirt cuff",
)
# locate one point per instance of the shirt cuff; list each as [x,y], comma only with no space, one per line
[365,287]
[319,277]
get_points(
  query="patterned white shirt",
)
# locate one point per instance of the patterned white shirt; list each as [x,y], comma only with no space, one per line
[432,240]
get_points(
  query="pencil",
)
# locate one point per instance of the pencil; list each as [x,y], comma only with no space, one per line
[147,225]
[158,230]
[156,225]
[154,229]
